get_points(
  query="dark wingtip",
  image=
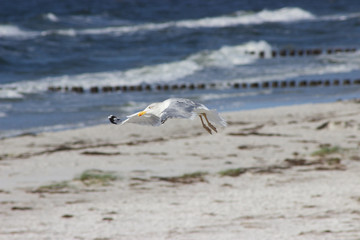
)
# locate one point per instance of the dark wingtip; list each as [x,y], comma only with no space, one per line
[113,119]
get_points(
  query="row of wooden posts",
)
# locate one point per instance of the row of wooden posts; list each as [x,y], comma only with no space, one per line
[260,54]
[191,86]
[302,52]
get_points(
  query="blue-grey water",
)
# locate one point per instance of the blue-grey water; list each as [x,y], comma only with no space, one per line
[90,43]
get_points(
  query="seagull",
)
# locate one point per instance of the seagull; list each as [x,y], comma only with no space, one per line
[157,113]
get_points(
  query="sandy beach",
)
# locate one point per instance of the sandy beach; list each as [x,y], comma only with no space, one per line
[278,173]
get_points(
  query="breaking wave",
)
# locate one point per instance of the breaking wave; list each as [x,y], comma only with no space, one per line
[238,18]
[11,31]
[287,14]
[225,57]
[121,27]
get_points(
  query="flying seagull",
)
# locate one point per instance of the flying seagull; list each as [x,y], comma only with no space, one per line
[157,113]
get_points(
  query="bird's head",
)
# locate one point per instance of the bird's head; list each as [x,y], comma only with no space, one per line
[149,108]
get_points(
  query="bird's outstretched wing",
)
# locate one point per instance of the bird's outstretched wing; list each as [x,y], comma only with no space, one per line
[179,108]
[148,119]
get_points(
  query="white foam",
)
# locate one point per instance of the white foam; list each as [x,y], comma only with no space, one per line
[10,93]
[282,15]
[226,56]
[51,17]
[65,32]
[167,72]
[11,31]
[127,29]
[287,14]
[340,17]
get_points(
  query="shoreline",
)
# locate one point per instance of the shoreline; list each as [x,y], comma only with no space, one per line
[285,172]
[251,105]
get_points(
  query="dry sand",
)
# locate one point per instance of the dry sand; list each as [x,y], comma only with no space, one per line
[281,173]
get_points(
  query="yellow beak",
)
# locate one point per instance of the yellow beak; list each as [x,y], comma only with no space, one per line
[141,113]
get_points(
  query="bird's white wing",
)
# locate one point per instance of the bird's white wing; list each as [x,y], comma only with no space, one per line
[185,108]
[179,108]
[147,119]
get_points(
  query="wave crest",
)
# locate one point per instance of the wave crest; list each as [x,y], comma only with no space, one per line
[226,56]
[118,28]
[51,17]
[11,31]
[287,14]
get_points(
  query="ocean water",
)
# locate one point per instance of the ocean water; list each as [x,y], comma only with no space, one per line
[90,43]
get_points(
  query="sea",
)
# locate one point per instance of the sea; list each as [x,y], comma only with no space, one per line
[55,54]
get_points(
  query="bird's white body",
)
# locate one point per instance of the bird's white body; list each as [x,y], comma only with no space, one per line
[157,113]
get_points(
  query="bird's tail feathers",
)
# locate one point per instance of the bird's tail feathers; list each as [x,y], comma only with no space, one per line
[215,118]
